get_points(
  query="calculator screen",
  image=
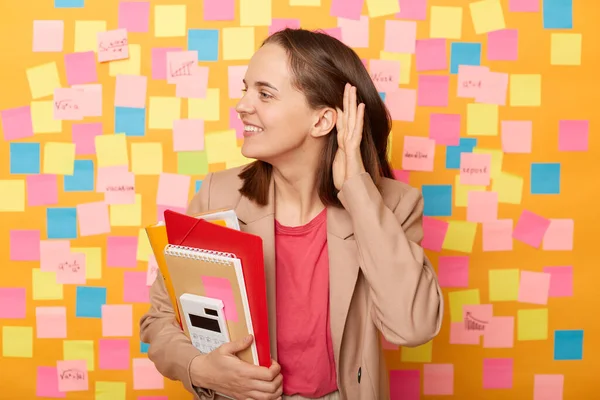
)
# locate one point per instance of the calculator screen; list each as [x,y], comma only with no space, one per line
[201,322]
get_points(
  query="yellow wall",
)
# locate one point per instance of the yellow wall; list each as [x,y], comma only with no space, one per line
[567,93]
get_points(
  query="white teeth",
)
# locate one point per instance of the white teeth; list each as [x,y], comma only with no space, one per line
[250,128]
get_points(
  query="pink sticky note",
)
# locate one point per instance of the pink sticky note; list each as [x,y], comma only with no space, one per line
[334,32]
[236,123]
[135,289]
[434,233]
[573,135]
[561,281]
[493,89]
[524,6]
[42,190]
[93,218]
[113,45]
[121,251]
[193,87]
[152,271]
[453,271]
[400,36]
[92,99]
[17,123]
[548,387]
[235,75]
[355,33]
[84,136]
[48,36]
[173,190]
[279,24]
[219,10]
[503,45]
[181,64]
[51,322]
[445,129]
[401,175]
[220,288]
[387,345]
[475,168]
[516,136]
[418,153]
[433,91]
[117,184]
[470,80]
[160,211]
[497,235]
[134,16]
[534,287]
[438,379]
[159,61]
[530,228]
[405,384]
[12,303]
[476,317]
[51,253]
[131,91]
[47,383]
[499,333]
[413,10]
[114,354]
[430,55]
[81,68]
[385,74]
[72,375]
[559,235]
[68,104]
[24,245]
[402,104]
[460,335]
[350,9]
[497,373]
[117,320]
[71,269]
[146,376]
[482,206]
[188,135]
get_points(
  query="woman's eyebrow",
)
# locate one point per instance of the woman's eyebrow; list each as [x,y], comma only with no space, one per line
[262,83]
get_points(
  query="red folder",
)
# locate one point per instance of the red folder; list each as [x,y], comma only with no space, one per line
[185,230]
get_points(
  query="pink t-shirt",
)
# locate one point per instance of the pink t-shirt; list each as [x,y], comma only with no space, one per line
[304,348]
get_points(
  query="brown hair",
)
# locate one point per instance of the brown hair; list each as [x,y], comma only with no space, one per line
[321,66]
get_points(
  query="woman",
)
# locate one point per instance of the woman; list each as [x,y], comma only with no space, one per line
[341,237]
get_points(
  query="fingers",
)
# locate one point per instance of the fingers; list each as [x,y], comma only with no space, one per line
[237,346]
[267,390]
[351,112]
[346,105]
[360,115]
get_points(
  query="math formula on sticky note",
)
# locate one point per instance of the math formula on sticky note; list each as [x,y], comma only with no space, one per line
[113,45]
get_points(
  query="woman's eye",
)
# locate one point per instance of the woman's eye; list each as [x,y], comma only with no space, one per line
[265,95]
[244,90]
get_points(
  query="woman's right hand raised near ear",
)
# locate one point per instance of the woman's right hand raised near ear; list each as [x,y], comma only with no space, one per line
[222,371]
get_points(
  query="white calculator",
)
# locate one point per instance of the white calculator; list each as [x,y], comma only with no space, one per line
[205,318]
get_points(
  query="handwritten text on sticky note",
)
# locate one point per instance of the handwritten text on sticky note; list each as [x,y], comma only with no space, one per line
[72,375]
[475,169]
[68,104]
[418,153]
[113,45]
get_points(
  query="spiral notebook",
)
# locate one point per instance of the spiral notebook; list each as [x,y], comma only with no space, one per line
[215,275]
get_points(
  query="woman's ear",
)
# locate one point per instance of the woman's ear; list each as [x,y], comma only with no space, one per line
[325,122]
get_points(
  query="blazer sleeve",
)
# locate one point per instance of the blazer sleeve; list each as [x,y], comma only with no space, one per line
[407,302]
[169,348]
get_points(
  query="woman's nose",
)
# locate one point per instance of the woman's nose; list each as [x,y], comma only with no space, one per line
[243,105]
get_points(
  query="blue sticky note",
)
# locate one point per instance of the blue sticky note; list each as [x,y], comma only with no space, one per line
[82,179]
[568,345]
[453,153]
[198,185]
[130,121]
[437,200]
[69,3]
[89,301]
[463,53]
[382,95]
[545,178]
[144,347]
[24,158]
[205,42]
[61,222]
[557,14]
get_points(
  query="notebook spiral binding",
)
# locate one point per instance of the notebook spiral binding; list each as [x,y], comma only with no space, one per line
[212,256]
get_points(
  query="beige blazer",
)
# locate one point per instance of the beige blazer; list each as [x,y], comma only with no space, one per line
[380,281]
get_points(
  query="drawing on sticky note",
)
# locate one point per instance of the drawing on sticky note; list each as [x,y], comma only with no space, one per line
[181,64]
[474,324]
[220,288]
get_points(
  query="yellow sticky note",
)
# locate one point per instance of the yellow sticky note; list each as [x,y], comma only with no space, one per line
[17,341]
[461,192]
[86,35]
[503,284]
[445,22]
[79,350]
[144,249]
[43,79]
[238,43]
[163,111]
[565,48]
[206,108]
[496,162]
[42,117]
[146,158]
[192,163]
[532,324]
[509,188]
[461,298]
[482,119]
[255,12]
[419,354]
[110,390]
[380,8]
[525,90]
[59,158]
[307,3]
[487,16]
[127,214]
[238,160]
[129,66]
[13,195]
[170,21]
[44,285]
[220,146]
[111,150]
[405,61]
[460,236]
[93,261]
